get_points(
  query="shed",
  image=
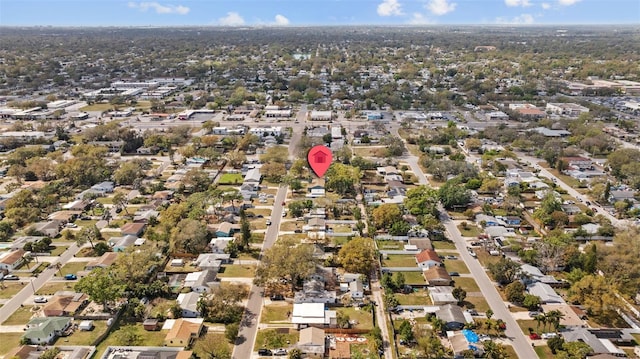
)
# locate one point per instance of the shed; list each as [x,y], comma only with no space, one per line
[86,325]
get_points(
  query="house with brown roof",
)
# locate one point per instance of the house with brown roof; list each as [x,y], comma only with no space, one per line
[134,229]
[65,304]
[436,275]
[183,332]
[104,261]
[11,260]
[427,259]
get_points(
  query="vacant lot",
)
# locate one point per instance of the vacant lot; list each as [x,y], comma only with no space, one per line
[453,265]
[21,316]
[230,179]
[276,338]
[276,312]
[235,270]
[443,245]
[468,284]
[410,278]
[363,318]
[399,260]
[9,289]
[420,297]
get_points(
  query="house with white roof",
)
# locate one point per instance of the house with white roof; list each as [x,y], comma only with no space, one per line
[314,315]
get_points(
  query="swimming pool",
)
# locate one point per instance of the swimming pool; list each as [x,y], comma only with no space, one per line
[470,335]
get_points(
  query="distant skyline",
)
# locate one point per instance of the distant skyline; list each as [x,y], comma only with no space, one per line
[315,12]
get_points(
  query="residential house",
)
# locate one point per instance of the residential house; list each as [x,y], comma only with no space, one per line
[320,115]
[150,324]
[226,229]
[312,342]
[460,346]
[442,295]
[452,315]
[601,341]
[12,259]
[133,229]
[253,176]
[577,162]
[188,303]
[546,293]
[103,261]
[551,133]
[428,258]
[120,244]
[145,215]
[316,191]
[218,245]
[44,330]
[621,195]
[64,216]
[65,304]
[202,281]
[50,229]
[313,291]
[567,109]
[313,315]
[183,332]
[356,289]
[104,187]
[436,276]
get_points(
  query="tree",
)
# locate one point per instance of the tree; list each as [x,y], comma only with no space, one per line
[278,154]
[231,331]
[554,317]
[101,286]
[342,179]
[357,256]
[196,180]
[431,346]
[273,171]
[223,305]
[493,350]
[531,302]
[209,348]
[555,344]
[128,336]
[505,271]
[453,194]
[295,353]
[285,260]
[399,280]
[386,215]
[597,294]
[129,171]
[189,236]
[120,201]
[460,294]
[342,320]
[88,234]
[406,331]
[514,292]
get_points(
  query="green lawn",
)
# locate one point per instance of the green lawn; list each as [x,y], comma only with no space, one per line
[443,245]
[544,352]
[420,297]
[147,338]
[389,245]
[21,316]
[410,278]
[257,237]
[235,270]
[52,288]
[105,200]
[476,302]
[363,317]
[58,250]
[98,107]
[399,260]
[290,226]
[275,338]
[467,283]
[471,230]
[210,338]
[276,313]
[9,341]
[231,179]
[73,267]
[454,265]
[81,337]
[9,289]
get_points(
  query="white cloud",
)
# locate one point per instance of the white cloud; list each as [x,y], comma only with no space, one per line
[160,9]
[419,19]
[389,8]
[232,19]
[440,7]
[281,20]
[568,2]
[545,6]
[524,19]
[514,3]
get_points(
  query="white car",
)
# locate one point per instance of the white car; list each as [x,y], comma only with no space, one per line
[39,300]
[548,335]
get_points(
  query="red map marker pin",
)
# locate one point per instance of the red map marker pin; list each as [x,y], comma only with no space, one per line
[320,158]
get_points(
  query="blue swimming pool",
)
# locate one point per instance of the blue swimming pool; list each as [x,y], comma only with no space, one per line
[470,335]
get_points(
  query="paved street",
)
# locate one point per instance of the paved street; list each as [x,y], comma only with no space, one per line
[14,303]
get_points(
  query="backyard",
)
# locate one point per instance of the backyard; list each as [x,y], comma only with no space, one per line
[276,338]
[277,312]
[399,260]
[236,270]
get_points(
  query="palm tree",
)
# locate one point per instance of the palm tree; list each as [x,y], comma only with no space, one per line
[539,318]
[120,200]
[554,317]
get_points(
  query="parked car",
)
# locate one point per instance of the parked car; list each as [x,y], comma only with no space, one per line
[39,300]
[70,277]
[548,335]
[10,277]
[533,314]
[265,352]
[451,257]
[277,297]
[454,274]
[534,336]
[280,352]
[71,225]
[268,222]
[472,311]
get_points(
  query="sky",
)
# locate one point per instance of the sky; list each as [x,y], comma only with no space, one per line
[314,12]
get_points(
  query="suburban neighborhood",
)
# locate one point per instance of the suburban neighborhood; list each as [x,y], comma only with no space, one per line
[468,209]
